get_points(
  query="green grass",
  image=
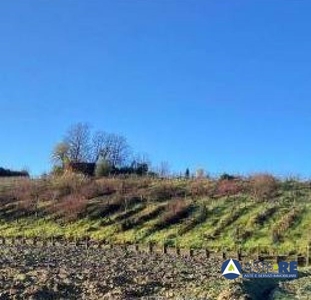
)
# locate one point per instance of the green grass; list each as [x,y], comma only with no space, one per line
[230,221]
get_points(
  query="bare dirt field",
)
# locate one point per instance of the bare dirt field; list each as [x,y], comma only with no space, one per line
[70,272]
[32,272]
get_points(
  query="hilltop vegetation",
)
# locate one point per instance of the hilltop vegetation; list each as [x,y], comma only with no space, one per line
[258,211]
[10,173]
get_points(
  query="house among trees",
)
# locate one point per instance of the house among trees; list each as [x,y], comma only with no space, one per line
[85,168]
[100,154]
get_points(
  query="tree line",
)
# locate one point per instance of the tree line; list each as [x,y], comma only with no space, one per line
[11,173]
[108,153]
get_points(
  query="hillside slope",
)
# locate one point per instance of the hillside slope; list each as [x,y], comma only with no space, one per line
[251,213]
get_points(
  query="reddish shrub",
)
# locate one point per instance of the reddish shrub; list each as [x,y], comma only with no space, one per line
[29,193]
[202,188]
[228,187]
[108,186]
[71,207]
[91,190]
[263,186]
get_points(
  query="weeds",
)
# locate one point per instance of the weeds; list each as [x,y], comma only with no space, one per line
[263,187]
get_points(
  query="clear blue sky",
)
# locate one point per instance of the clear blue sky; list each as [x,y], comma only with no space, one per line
[223,85]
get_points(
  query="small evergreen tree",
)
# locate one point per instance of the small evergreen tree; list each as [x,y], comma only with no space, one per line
[187,173]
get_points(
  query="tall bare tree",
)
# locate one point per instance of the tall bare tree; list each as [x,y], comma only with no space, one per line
[79,145]
[110,147]
[78,140]
[117,150]
[99,142]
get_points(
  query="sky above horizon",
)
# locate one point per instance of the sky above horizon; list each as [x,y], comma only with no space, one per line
[219,85]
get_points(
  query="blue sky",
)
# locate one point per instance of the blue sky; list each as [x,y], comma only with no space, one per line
[223,85]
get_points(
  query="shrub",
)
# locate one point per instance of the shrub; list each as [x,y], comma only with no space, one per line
[166,191]
[57,171]
[176,210]
[29,193]
[109,206]
[108,186]
[102,169]
[292,184]
[91,190]
[202,188]
[71,207]
[263,186]
[227,187]
[226,176]
[69,183]
[128,187]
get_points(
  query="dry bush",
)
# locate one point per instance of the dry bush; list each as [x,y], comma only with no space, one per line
[166,190]
[71,207]
[175,211]
[144,182]
[69,183]
[29,193]
[91,190]
[128,188]
[8,187]
[107,207]
[263,186]
[201,188]
[23,193]
[134,182]
[227,187]
[108,186]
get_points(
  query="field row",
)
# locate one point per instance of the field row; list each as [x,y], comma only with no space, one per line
[192,225]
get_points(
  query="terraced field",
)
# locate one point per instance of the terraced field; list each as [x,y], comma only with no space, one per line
[156,211]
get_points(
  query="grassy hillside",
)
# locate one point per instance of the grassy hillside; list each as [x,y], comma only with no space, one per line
[259,211]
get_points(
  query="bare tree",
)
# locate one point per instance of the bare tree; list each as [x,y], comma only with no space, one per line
[78,140]
[141,158]
[117,150]
[164,169]
[111,148]
[99,142]
[79,145]
[141,163]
